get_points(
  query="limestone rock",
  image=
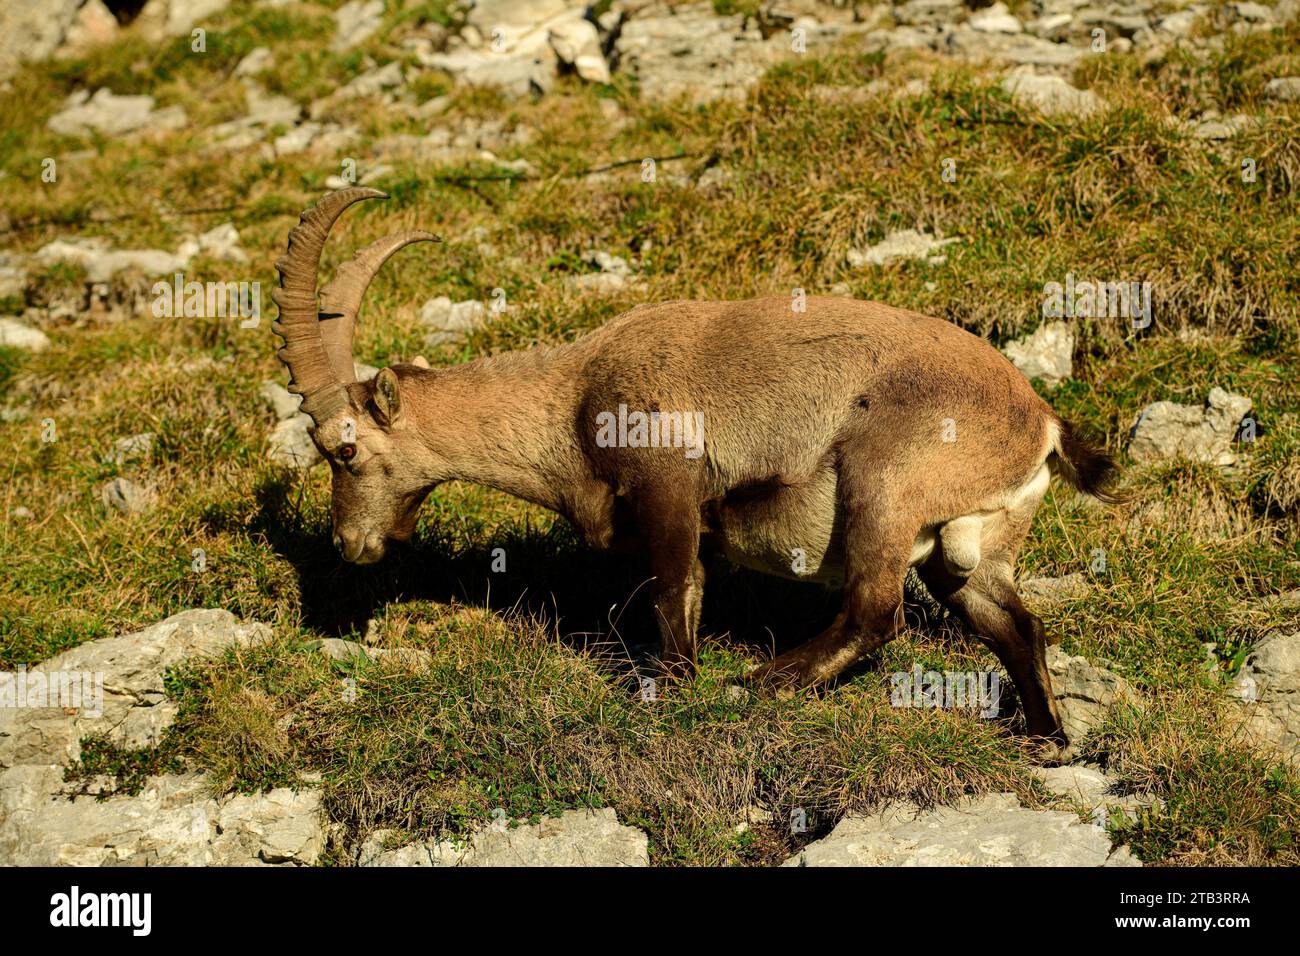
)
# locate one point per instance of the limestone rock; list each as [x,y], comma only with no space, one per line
[283,401]
[905,244]
[184,15]
[356,21]
[1285,88]
[1046,354]
[111,115]
[1269,686]
[995,19]
[992,830]
[18,335]
[450,322]
[127,497]
[577,44]
[1042,593]
[1051,95]
[576,838]
[1089,788]
[290,442]
[129,449]
[131,667]
[1084,692]
[1168,430]
[31,30]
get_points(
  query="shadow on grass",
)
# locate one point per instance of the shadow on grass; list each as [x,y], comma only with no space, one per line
[593,600]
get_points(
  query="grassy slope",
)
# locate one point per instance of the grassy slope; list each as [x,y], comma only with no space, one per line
[510,715]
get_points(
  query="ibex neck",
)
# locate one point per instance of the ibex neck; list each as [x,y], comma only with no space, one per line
[506,422]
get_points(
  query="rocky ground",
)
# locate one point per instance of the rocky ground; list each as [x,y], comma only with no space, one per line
[580,160]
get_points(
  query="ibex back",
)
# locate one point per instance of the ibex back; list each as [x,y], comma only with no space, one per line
[844,444]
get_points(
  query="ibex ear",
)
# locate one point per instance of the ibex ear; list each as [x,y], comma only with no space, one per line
[388,398]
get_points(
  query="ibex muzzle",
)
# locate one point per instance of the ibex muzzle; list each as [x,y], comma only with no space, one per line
[843,444]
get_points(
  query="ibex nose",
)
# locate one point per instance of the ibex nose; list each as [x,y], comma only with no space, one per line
[349,546]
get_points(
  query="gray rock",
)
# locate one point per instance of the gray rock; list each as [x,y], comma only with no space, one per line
[258,60]
[1051,95]
[102,264]
[450,322]
[173,822]
[282,401]
[689,51]
[905,244]
[111,115]
[992,830]
[1084,692]
[1045,593]
[1250,12]
[31,30]
[184,15]
[1089,789]
[13,275]
[1269,686]
[1179,23]
[1166,430]
[17,335]
[1046,354]
[290,443]
[93,25]
[130,449]
[577,44]
[127,497]
[337,649]
[1285,88]
[357,21]
[131,667]
[995,19]
[575,838]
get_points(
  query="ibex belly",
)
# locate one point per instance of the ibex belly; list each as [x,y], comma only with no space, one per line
[796,531]
[793,531]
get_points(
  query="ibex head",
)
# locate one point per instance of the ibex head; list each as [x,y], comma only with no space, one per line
[360,428]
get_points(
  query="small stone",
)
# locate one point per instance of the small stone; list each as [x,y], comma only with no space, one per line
[182,15]
[258,60]
[905,244]
[577,44]
[15,334]
[1285,88]
[1051,95]
[1084,692]
[357,21]
[1269,685]
[1046,354]
[995,19]
[113,115]
[127,497]
[290,443]
[1166,430]
[129,449]
[283,401]
[575,838]
[1046,593]
[451,322]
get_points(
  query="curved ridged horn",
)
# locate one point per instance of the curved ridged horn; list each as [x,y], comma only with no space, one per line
[341,298]
[304,352]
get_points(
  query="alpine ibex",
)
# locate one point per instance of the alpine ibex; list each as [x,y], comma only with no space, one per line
[850,441]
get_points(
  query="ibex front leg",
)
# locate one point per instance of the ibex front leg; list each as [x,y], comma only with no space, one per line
[669,523]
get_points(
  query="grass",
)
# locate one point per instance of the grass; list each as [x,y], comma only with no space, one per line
[529,699]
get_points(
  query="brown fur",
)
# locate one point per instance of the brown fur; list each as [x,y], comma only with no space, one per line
[824,431]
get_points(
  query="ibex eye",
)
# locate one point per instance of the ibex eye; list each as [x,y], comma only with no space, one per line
[348,452]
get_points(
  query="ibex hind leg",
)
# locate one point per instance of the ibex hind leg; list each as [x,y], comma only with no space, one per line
[987,601]
[878,537]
